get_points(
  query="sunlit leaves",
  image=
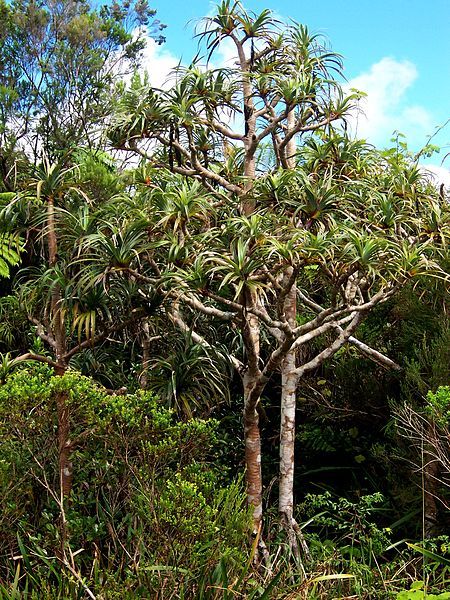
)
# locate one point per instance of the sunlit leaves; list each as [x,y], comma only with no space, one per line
[299,88]
[220,25]
[317,199]
[11,247]
[212,90]
[386,215]
[437,223]
[310,52]
[118,247]
[337,212]
[140,111]
[411,261]
[176,206]
[256,25]
[253,228]
[338,155]
[364,249]
[236,268]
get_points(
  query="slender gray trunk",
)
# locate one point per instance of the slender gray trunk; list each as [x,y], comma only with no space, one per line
[288,393]
[288,404]
[287,450]
[289,382]
[287,425]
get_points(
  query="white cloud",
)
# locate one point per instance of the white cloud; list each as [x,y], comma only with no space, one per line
[386,108]
[440,175]
[226,55]
[158,62]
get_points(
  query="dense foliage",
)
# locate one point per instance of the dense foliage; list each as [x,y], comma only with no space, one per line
[224,327]
[146,490]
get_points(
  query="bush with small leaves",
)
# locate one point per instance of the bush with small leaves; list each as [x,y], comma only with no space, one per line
[147,489]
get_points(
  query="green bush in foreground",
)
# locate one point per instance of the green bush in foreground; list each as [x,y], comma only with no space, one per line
[151,514]
[148,506]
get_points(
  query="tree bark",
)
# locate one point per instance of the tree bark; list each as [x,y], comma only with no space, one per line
[59,334]
[145,344]
[251,381]
[291,146]
[288,405]
[248,203]
[253,387]
[287,450]
[252,439]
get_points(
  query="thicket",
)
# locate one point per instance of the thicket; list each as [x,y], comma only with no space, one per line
[156,512]
[151,508]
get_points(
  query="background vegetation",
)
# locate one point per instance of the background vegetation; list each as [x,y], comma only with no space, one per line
[224,326]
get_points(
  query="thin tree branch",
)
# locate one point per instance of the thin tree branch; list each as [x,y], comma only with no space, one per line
[364,348]
[45,337]
[36,357]
[304,128]
[137,314]
[211,311]
[226,131]
[332,349]
[307,337]
[373,354]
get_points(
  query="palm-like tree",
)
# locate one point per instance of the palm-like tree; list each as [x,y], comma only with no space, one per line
[328,213]
[54,210]
[189,377]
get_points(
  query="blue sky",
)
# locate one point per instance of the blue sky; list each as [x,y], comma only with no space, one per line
[398,51]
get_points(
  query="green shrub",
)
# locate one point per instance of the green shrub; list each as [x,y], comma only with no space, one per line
[438,405]
[149,498]
[416,592]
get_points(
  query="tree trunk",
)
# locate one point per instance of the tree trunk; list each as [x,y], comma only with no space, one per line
[252,439]
[287,407]
[288,404]
[248,203]
[253,383]
[253,386]
[59,335]
[287,449]
[252,392]
[145,343]
[291,146]
[64,443]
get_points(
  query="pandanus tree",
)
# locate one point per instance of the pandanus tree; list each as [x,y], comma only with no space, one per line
[291,233]
[54,214]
